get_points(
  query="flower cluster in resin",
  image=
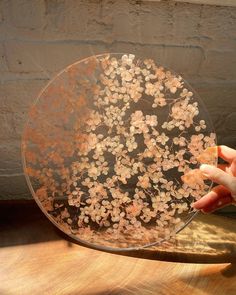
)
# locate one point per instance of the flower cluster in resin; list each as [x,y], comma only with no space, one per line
[112,151]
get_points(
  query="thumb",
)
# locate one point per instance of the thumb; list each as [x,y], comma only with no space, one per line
[219,176]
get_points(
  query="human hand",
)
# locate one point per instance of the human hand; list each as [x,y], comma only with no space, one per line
[225,176]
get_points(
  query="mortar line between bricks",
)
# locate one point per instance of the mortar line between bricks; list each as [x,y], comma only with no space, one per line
[15,197]
[99,42]
[9,171]
[13,79]
[11,175]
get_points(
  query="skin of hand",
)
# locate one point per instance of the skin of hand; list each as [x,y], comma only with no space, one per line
[225,176]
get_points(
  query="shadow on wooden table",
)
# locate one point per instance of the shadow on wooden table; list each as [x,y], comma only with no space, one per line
[213,275]
[22,222]
[208,239]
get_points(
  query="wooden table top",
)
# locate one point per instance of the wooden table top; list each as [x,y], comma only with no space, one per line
[35,258]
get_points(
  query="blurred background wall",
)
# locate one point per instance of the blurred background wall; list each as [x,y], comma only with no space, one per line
[38,38]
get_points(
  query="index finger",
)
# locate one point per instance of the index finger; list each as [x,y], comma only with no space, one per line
[226,153]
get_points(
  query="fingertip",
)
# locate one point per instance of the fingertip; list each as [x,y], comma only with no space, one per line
[206,169]
[204,166]
[205,211]
[196,205]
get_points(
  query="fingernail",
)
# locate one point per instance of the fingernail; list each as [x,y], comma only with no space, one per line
[206,169]
[195,206]
[204,211]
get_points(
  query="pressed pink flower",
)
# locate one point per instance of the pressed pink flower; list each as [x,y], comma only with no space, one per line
[208,156]
[151,120]
[74,199]
[149,63]
[134,209]
[160,73]
[136,118]
[138,122]
[162,138]
[186,93]
[193,177]
[172,82]
[93,120]
[123,172]
[159,100]
[144,181]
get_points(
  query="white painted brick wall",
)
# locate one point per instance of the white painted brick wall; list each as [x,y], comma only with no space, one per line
[38,38]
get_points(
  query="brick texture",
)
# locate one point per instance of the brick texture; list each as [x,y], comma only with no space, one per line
[50,57]
[27,14]
[230,122]
[219,64]
[38,38]
[46,57]
[3,62]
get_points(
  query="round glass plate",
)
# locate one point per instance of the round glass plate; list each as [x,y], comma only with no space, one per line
[111,151]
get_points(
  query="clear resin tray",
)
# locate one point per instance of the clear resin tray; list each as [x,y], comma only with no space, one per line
[111,151]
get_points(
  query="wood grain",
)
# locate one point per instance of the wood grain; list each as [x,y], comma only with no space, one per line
[35,259]
[60,268]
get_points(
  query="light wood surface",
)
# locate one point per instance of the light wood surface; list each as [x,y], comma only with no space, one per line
[61,268]
[36,259]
